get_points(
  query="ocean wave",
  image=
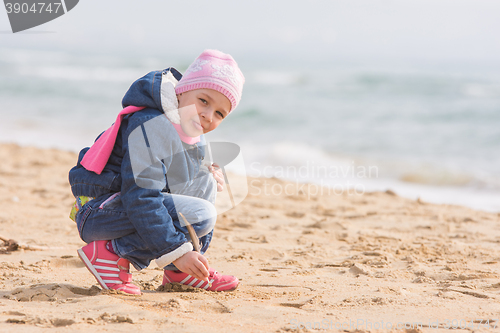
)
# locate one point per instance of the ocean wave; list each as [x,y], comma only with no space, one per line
[247,113]
[437,177]
[300,161]
[481,90]
[294,160]
[60,65]
[277,78]
[23,56]
[75,73]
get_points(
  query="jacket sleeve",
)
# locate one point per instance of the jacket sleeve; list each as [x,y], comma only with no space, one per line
[148,150]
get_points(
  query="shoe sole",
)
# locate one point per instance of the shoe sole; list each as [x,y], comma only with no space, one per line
[221,291]
[214,291]
[91,268]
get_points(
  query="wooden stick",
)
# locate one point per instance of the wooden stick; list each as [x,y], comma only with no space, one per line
[192,234]
[194,238]
[230,194]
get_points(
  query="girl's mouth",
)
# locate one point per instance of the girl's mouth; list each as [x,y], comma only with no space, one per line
[197,126]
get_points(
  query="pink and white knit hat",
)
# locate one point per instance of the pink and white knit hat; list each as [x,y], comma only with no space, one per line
[214,70]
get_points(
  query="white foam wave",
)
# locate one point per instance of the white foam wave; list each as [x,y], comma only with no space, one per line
[74,73]
[298,161]
[481,90]
[23,56]
[304,163]
[276,78]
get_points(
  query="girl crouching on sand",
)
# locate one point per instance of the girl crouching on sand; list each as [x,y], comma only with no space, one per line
[131,185]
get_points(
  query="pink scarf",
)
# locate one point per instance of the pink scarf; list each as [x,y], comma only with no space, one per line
[97,156]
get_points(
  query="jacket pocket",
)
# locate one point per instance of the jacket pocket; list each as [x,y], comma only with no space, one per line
[112,203]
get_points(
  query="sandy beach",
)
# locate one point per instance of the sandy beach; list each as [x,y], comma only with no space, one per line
[306,262]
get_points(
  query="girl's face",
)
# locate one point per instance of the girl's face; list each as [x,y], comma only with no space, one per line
[210,108]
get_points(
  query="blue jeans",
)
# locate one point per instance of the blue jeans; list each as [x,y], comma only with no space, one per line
[105,218]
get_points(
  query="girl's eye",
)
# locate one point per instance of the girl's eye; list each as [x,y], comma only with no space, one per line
[204,101]
[220,114]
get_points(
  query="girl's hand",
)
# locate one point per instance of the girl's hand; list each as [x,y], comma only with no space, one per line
[218,175]
[194,264]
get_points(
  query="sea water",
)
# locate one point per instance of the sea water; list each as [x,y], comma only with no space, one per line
[420,129]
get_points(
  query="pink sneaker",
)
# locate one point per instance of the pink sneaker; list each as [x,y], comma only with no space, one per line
[218,282]
[111,271]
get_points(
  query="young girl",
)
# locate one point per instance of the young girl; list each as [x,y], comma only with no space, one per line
[147,168]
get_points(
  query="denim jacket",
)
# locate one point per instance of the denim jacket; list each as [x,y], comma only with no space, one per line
[148,159]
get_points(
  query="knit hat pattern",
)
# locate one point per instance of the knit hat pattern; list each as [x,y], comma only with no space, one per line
[214,70]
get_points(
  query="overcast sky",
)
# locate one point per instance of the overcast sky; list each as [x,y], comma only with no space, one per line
[441,30]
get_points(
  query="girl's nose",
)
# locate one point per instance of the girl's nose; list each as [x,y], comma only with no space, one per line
[207,114]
